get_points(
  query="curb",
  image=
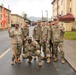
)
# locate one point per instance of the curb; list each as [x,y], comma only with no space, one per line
[70,64]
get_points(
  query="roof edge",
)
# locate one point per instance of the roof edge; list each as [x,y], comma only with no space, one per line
[16,15]
[5,8]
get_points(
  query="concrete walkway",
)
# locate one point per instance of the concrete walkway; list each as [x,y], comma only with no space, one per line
[70,52]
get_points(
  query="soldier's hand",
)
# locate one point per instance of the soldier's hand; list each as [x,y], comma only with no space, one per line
[24,39]
[47,42]
[35,42]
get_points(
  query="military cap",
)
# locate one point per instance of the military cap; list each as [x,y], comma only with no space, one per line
[39,21]
[49,21]
[43,20]
[55,19]
[26,21]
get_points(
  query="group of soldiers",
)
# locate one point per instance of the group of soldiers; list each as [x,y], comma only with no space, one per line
[47,38]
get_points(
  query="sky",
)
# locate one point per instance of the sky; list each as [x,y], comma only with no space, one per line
[30,7]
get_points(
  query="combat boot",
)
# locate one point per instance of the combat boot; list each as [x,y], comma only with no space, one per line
[34,57]
[17,61]
[40,64]
[55,59]
[48,60]
[13,58]
[29,61]
[12,62]
[63,60]
[53,56]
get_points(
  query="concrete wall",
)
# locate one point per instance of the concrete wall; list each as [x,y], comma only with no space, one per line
[16,18]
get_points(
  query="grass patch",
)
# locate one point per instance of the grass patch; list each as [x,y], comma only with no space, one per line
[70,35]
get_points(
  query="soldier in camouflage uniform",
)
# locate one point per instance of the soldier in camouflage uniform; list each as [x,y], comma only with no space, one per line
[16,39]
[25,32]
[37,34]
[51,44]
[61,28]
[55,38]
[32,48]
[45,38]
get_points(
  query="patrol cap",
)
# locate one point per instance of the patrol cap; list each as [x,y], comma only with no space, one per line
[39,21]
[26,21]
[43,20]
[49,21]
[55,19]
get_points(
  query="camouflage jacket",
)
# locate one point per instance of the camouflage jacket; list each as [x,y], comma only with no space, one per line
[25,31]
[32,46]
[61,32]
[45,34]
[55,34]
[37,33]
[50,32]
[16,36]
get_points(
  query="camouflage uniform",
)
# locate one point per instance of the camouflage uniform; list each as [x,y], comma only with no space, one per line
[61,41]
[45,38]
[32,49]
[37,34]
[51,43]
[55,38]
[16,39]
[25,33]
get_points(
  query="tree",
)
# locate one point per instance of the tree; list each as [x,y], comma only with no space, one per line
[24,15]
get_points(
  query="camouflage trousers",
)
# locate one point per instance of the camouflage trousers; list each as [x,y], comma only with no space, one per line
[17,49]
[60,46]
[61,49]
[24,42]
[32,53]
[46,49]
[51,47]
[55,47]
[38,41]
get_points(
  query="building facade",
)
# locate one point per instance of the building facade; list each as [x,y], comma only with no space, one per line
[62,8]
[17,18]
[8,16]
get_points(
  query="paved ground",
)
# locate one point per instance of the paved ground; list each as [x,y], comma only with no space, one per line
[70,52]
[4,41]
[24,68]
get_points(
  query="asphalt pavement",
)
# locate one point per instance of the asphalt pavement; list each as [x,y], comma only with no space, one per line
[54,68]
